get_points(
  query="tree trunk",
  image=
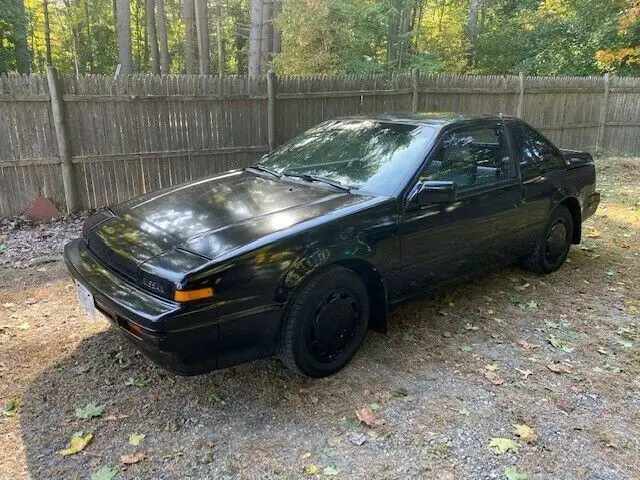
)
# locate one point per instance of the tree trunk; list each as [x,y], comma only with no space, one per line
[47,31]
[472,31]
[266,39]
[219,42]
[88,63]
[399,28]
[189,36]
[162,37]
[23,55]
[255,37]
[124,36]
[202,30]
[277,36]
[151,34]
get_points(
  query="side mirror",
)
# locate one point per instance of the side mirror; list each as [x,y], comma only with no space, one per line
[433,191]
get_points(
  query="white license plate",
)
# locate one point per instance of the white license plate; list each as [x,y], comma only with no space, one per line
[85,298]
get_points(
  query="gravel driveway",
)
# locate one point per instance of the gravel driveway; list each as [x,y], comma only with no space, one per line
[456,374]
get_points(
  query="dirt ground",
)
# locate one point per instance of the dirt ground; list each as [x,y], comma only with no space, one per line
[453,374]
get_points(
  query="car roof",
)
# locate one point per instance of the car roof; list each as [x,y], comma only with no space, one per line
[436,119]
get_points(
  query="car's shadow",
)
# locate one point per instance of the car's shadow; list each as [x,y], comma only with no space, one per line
[231,414]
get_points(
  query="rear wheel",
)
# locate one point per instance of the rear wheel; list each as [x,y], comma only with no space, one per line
[325,323]
[552,248]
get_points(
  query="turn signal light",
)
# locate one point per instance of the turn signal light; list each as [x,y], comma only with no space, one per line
[190,295]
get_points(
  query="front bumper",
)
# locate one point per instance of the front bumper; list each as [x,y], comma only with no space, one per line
[184,339]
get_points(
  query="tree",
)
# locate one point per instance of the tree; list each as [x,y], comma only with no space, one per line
[151,33]
[472,31]
[255,37]
[189,14]
[123,22]
[47,30]
[202,30]
[162,37]
[14,52]
[219,38]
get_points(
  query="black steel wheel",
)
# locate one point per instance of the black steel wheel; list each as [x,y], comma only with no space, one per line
[552,248]
[325,322]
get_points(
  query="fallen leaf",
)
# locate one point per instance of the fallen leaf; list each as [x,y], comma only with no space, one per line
[356,438]
[525,432]
[527,345]
[90,411]
[366,416]
[512,473]
[522,288]
[612,368]
[131,458]
[305,455]
[11,407]
[464,411]
[77,443]
[136,438]
[566,405]
[551,324]
[625,343]
[503,445]
[137,381]
[447,334]
[466,348]
[525,373]
[532,304]
[493,378]
[105,473]
[556,341]
[312,469]
[470,326]
[559,368]
[603,351]
[330,472]
[492,367]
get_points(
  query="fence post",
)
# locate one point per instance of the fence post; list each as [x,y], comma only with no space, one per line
[416,94]
[603,114]
[271,109]
[62,136]
[520,107]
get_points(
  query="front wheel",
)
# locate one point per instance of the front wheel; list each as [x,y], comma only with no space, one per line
[325,323]
[552,248]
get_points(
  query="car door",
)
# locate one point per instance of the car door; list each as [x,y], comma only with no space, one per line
[444,241]
[542,167]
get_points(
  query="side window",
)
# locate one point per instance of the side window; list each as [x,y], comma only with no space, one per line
[535,151]
[470,157]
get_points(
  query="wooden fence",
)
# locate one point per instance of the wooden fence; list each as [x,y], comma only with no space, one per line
[96,140]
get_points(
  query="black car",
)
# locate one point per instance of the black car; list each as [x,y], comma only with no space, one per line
[302,252]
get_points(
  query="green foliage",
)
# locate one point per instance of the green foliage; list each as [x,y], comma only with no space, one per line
[539,37]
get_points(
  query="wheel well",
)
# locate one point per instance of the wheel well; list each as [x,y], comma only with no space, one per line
[573,205]
[376,290]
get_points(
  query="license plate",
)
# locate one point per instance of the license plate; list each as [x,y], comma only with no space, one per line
[85,298]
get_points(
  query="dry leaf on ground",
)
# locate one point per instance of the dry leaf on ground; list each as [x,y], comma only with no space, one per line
[77,443]
[131,458]
[527,345]
[525,432]
[493,377]
[366,416]
[559,368]
[503,445]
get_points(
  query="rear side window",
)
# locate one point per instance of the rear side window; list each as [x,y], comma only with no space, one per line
[472,156]
[536,151]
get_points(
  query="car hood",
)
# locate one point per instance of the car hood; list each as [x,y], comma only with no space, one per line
[209,217]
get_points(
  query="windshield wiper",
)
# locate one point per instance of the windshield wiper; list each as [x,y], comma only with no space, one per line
[314,178]
[262,168]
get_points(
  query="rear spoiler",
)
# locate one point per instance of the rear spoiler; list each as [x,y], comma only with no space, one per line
[576,158]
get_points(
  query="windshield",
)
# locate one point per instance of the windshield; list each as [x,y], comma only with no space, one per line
[367,154]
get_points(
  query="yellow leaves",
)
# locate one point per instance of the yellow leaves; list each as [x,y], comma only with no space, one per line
[610,59]
[525,432]
[491,367]
[136,438]
[503,445]
[311,469]
[77,443]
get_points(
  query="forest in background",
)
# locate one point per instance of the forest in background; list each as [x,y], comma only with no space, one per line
[301,37]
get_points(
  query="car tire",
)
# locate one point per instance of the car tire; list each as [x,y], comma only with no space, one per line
[553,246]
[325,322]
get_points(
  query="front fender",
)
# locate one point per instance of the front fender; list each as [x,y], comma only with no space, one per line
[313,260]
